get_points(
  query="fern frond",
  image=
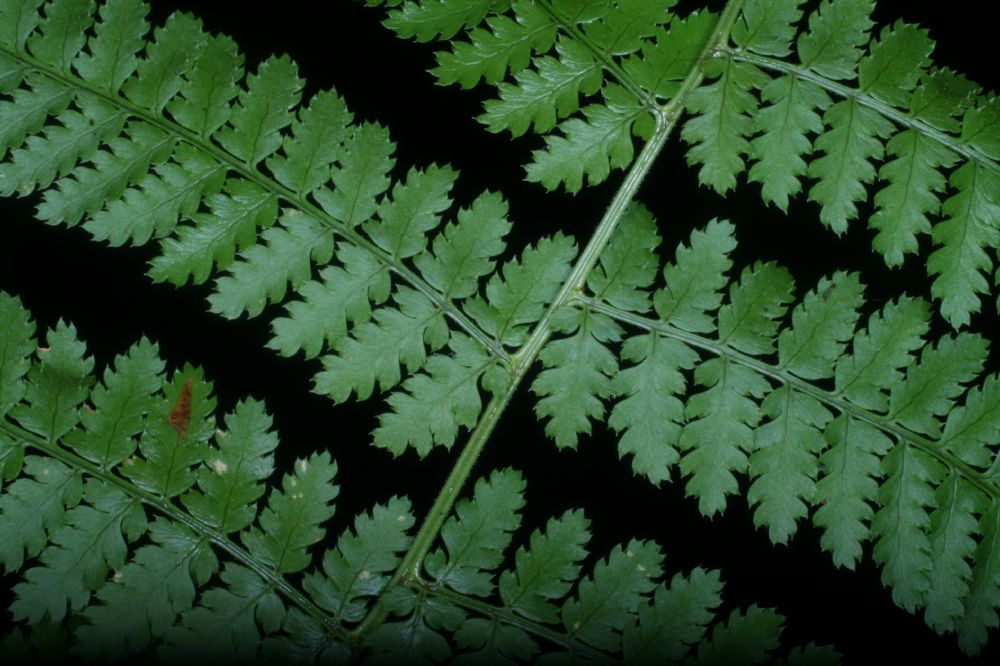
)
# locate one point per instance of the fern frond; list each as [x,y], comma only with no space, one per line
[905,426]
[243,181]
[861,113]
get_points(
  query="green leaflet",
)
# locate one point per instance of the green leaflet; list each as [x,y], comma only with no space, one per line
[291,520]
[15,350]
[234,470]
[478,534]
[463,252]
[577,375]
[262,111]
[516,295]
[263,272]
[56,386]
[84,550]
[119,402]
[118,36]
[545,570]
[358,567]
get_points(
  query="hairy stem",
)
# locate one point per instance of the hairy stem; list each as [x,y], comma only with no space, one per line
[524,358]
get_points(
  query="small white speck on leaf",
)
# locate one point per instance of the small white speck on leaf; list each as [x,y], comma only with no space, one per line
[219,466]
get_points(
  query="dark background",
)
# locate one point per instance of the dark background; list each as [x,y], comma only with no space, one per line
[104,291]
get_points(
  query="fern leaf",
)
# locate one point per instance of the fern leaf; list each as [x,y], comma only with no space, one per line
[359,567]
[577,375]
[749,321]
[905,204]
[676,619]
[146,595]
[153,207]
[18,20]
[591,147]
[506,46]
[821,326]
[607,601]
[545,94]
[463,252]
[230,483]
[62,34]
[203,101]
[263,272]
[262,111]
[433,405]
[16,346]
[903,547]
[34,506]
[767,26]
[57,386]
[25,113]
[665,62]
[396,335]
[971,428]
[85,189]
[718,436]
[52,154]
[723,122]
[848,486]
[232,223]
[628,265]
[475,538]
[291,521]
[425,20]
[169,453]
[953,524]
[785,125]
[747,637]
[342,294]
[545,571]
[317,135]
[983,599]
[118,36]
[933,384]
[651,386]
[413,211]
[895,64]
[880,352]
[837,31]
[360,176]
[158,76]
[852,142]
[119,404]
[85,548]
[516,295]
[224,626]
[961,259]
[694,281]
[785,463]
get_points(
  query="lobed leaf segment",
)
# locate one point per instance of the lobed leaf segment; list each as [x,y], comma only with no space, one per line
[813,104]
[130,536]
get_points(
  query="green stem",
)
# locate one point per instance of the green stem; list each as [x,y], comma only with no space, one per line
[883,423]
[165,508]
[524,358]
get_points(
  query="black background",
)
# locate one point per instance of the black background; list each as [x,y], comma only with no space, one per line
[104,291]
